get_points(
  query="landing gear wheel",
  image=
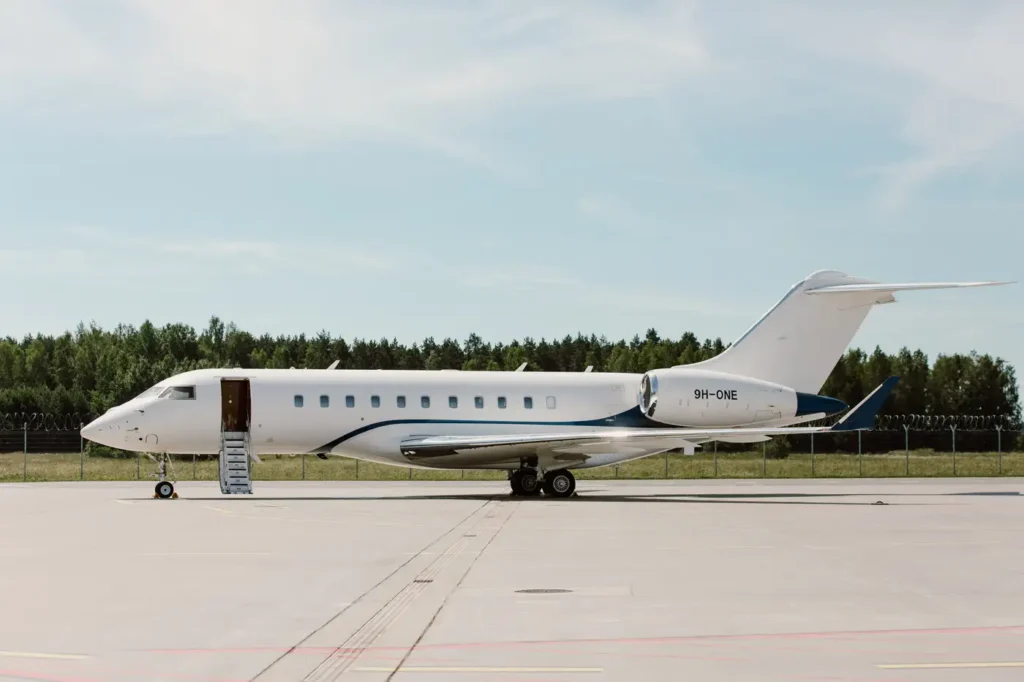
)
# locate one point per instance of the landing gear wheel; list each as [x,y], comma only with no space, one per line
[560,483]
[529,483]
[524,482]
[164,490]
[513,480]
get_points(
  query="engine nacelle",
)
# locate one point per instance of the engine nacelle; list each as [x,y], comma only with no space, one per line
[682,396]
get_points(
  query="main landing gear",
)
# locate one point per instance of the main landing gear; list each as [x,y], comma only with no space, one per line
[526,483]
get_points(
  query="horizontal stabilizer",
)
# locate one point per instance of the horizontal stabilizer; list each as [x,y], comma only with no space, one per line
[863,415]
[888,288]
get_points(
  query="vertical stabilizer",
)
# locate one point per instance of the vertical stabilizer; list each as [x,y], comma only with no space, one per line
[799,341]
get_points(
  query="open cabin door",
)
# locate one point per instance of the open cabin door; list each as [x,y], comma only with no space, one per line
[235,406]
[235,418]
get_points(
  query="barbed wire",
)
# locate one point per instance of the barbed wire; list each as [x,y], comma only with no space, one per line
[941,422]
[43,421]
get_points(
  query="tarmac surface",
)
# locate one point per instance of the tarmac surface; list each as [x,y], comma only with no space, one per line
[717,581]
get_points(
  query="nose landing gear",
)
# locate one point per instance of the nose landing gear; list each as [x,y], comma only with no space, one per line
[164,489]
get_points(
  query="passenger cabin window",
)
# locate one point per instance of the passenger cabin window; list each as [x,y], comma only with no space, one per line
[528,402]
[374,401]
[551,402]
[298,401]
[179,393]
[501,402]
[401,401]
[350,401]
[478,402]
[325,401]
[425,401]
[453,401]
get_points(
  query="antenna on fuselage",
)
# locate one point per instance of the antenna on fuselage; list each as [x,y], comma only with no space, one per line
[334,364]
[521,367]
[590,368]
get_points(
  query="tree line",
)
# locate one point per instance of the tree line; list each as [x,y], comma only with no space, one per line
[91,369]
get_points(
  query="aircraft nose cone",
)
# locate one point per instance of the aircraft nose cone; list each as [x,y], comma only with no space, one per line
[90,430]
[809,403]
[103,431]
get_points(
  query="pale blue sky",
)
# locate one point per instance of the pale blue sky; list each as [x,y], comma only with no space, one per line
[512,168]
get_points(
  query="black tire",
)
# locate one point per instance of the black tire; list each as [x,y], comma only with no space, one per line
[561,483]
[164,489]
[515,480]
[529,482]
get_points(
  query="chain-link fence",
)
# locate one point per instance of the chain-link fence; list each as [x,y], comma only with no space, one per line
[46,447]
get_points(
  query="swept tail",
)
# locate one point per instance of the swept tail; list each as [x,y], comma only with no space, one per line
[799,341]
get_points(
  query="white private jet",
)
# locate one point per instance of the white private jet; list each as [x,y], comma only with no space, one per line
[538,426]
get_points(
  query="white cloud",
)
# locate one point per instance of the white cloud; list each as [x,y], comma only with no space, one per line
[948,75]
[951,73]
[253,256]
[312,69]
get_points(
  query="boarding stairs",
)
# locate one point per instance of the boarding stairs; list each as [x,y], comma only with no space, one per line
[235,463]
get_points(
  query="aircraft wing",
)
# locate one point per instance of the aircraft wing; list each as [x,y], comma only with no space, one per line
[499,447]
[633,442]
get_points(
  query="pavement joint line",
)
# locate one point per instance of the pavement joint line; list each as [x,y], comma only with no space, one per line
[338,659]
[357,643]
[939,666]
[479,553]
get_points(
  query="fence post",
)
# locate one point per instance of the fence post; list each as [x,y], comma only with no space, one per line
[193,466]
[860,456]
[764,459]
[303,466]
[24,463]
[616,472]
[357,471]
[81,452]
[999,446]
[410,473]
[716,459]
[906,436]
[666,464]
[953,429]
[138,466]
[812,455]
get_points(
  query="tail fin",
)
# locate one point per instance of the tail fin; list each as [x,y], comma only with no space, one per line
[799,341]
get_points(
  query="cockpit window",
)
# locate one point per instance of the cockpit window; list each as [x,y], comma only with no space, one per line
[179,393]
[153,390]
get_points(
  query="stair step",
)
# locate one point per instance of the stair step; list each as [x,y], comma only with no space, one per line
[235,475]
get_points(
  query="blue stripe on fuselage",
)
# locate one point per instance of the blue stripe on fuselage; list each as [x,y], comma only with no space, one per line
[632,418]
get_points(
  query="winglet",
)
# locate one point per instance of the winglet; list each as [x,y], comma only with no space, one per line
[863,415]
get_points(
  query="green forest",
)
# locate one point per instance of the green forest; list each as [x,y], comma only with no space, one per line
[92,369]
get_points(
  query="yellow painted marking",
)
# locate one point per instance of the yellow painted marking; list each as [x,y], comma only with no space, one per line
[937,666]
[428,669]
[35,654]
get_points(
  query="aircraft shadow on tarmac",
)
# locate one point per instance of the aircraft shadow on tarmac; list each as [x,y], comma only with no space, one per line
[831,499]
